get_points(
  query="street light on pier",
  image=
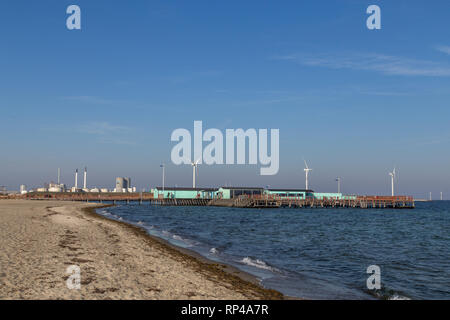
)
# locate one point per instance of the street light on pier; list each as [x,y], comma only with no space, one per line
[338,179]
[163,175]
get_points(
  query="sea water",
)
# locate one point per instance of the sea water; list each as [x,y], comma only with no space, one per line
[315,253]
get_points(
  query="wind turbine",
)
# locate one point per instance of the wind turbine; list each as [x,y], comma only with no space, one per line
[393,175]
[194,171]
[307,170]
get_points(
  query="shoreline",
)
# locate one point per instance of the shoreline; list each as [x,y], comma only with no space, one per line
[118,260]
[241,278]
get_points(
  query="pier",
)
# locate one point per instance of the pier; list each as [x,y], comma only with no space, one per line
[362,202]
[242,201]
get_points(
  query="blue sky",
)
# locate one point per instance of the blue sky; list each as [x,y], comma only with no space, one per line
[353,102]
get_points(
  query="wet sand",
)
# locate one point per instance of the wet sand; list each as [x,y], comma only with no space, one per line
[40,239]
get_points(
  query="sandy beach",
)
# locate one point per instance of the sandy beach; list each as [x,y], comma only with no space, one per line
[40,239]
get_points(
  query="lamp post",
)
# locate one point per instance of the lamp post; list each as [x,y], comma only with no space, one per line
[163,176]
[339,184]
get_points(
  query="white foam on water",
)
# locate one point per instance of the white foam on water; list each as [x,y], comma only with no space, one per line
[187,242]
[257,263]
[213,251]
[398,297]
[104,212]
[166,233]
[177,237]
[169,235]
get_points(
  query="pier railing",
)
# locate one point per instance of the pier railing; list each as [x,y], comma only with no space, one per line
[276,201]
[386,198]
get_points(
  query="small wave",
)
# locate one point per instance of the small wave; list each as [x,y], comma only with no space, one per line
[187,242]
[140,223]
[398,297]
[385,294]
[169,235]
[114,216]
[214,251]
[177,237]
[257,263]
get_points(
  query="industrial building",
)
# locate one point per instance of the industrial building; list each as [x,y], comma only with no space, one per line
[54,187]
[124,185]
[23,189]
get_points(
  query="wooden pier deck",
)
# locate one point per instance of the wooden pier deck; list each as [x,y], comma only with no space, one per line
[362,202]
[254,201]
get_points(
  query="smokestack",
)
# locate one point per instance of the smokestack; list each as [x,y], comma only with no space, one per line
[76,179]
[59,176]
[85,177]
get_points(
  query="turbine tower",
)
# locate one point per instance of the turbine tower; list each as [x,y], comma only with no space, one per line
[307,170]
[194,171]
[393,175]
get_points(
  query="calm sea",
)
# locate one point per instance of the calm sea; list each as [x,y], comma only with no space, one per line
[315,253]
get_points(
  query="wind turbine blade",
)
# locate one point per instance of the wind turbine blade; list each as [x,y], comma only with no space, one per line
[306,164]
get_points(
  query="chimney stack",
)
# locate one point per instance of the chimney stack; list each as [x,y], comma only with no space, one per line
[85,177]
